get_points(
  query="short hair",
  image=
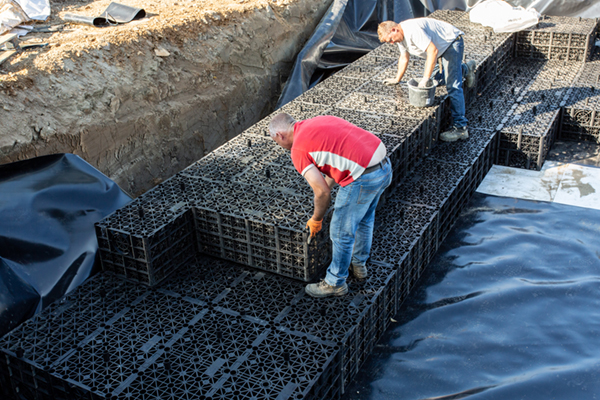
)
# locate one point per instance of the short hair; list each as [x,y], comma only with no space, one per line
[385,28]
[281,123]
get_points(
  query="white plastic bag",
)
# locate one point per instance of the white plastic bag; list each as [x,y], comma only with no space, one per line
[35,9]
[11,15]
[503,17]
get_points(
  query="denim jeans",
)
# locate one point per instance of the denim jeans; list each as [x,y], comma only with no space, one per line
[351,228]
[454,70]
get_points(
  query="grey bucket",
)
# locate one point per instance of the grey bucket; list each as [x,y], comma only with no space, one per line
[421,97]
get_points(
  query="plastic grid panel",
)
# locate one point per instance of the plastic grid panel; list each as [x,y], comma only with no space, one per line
[387,106]
[533,116]
[413,70]
[35,350]
[319,95]
[556,75]
[590,72]
[395,239]
[431,182]
[340,83]
[580,124]
[283,366]
[386,50]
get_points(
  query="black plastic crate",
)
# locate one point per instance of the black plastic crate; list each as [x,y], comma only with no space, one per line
[414,69]
[319,95]
[528,147]
[431,182]
[340,83]
[580,124]
[589,75]
[557,38]
[463,152]
[253,225]
[147,258]
[407,240]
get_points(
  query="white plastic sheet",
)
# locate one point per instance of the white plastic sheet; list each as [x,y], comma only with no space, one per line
[35,9]
[11,15]
[502,17]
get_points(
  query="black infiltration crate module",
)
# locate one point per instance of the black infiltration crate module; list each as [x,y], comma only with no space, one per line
[558,38]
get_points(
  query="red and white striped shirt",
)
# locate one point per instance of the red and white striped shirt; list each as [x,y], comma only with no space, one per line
[336,147]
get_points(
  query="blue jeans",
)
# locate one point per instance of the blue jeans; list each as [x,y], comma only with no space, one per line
[454,70]
[351,228]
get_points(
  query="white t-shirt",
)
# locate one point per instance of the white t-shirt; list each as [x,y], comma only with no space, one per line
[419,32]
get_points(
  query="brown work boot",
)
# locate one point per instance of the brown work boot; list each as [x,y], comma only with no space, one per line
[359,271]
[455,134]
[323,289]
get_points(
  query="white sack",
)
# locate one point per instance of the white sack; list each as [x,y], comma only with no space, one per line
[503,17]
[10,16]
[35,9]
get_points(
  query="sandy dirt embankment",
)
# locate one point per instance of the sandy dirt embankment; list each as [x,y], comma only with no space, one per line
[143,100]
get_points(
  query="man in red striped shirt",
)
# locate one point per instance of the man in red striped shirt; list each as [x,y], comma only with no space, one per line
[356,160]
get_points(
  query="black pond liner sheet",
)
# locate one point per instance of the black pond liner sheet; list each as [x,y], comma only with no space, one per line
[508,309]
[48,207]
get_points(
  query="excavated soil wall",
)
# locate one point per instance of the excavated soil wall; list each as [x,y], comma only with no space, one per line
[142,101]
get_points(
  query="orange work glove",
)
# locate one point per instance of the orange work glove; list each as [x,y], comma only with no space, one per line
[314,226]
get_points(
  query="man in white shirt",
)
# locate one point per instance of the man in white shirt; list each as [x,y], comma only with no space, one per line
[432,39]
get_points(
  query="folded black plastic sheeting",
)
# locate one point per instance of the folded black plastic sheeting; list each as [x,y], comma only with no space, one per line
[349,30]
[48,206]
[114,14]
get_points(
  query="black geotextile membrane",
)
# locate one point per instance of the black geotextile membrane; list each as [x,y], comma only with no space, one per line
[48,207]
[507,309]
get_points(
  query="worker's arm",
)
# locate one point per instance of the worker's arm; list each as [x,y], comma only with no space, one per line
[330,182]
[432,53]
[321,190]
[402,65]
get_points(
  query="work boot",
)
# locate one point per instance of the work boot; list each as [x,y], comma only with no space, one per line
[455,134]
[470,78]
[359,271]
[323,289]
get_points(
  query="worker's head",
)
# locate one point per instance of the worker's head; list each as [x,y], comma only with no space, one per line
[281,129]
[390,32]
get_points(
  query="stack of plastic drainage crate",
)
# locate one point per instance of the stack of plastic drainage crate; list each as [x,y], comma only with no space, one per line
[530,127]
[526,97]
[217,330]
[557,38]
[150,237]
[210,328]
[213,330]
[210,332]
[560,100]
[581,114]
[245,202]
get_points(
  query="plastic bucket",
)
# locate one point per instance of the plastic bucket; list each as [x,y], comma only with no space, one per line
[421,97]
